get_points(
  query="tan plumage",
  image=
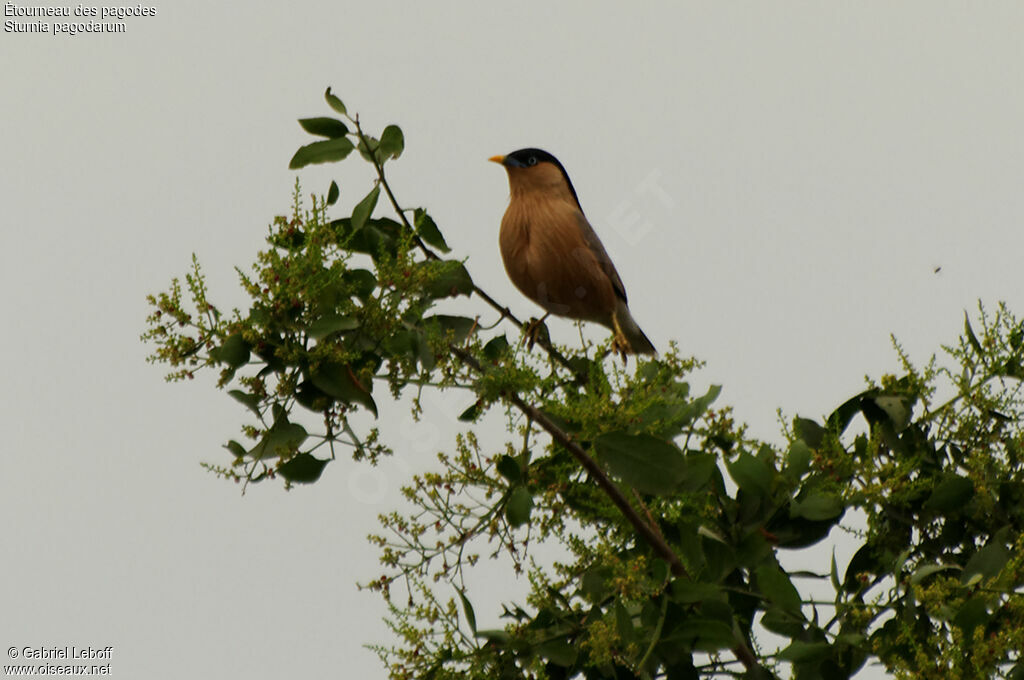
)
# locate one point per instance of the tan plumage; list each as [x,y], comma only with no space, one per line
[552,254]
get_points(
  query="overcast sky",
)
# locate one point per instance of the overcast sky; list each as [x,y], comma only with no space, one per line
[781,185]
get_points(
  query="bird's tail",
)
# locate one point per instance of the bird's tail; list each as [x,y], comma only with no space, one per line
[627,328]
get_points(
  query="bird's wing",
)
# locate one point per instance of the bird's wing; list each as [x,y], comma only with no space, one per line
[596,247]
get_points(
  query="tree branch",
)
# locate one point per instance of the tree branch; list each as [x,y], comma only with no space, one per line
[649,533]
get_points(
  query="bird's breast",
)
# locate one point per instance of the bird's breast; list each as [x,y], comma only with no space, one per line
[548,260]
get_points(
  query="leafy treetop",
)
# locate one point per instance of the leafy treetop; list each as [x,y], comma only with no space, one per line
[676,524]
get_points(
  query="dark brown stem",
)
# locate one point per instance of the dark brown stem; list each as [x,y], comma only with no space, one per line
[649,533]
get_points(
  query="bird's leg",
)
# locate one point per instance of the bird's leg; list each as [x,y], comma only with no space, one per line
[531,330]
[620,345]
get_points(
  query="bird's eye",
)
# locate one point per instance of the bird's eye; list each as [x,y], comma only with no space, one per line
[532,160]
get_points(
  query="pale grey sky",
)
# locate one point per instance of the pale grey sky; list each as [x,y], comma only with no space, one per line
[776,181]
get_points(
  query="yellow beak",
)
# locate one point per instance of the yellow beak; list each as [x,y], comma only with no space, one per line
[497,159]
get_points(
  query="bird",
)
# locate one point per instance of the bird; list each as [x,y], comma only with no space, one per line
[553,255]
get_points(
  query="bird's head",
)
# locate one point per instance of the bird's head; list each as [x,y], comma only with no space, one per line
[531,170]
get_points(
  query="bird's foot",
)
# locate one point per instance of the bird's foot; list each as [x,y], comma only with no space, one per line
[534,330]
[621,347]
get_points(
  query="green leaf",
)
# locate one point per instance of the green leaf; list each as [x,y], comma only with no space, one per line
[816,505]
[561,423]
[698,470]
[810,431]
[518,506]
[1012,368]
[690,547]
[335,103]
[840,419]
[803,652]
[496,347]
[689,592]
[467,609]
[332,193]
[923,572]
[972,614]
[798,459]
[672,414]
[427,230]
[327,151]
[509,468]
[971,338]
[283,437]
[719,609]
[708,635]
[719,558]
[268,349]
[497,636]
[236,449]
[340,382]
[623,621]
[659,571]
[775,585]
[302,469]
[799,532]
[362,281]
[473,412]
[751,474]
[782,622]
[460,326]
[648,464]
[558,652]
[308,395]
[251,401]
[595,582]
[425,355]
[901,561]
[376,237]
[331,128]
[985,564]
[1016,337]
[364,208]
[234,351]
[708,532]
[452,281]
[329,324]
[865,560]
[704,401]
[950,494]
[392,142]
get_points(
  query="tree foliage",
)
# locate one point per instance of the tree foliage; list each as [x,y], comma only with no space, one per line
[679,530]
